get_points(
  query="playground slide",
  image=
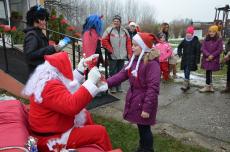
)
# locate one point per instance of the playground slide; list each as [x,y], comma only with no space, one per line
[11,85]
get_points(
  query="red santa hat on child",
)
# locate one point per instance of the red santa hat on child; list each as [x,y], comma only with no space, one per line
[61,62]
[145,41]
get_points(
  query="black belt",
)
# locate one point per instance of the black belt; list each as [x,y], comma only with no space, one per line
[43,134]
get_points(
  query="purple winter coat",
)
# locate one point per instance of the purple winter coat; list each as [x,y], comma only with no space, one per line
[211,47]
[143,92]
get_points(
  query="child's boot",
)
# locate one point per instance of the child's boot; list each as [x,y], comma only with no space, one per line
[206,88]
[211,89]
[186,86]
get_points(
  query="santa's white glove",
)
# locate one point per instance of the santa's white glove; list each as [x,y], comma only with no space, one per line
[80,66]
[91,61]
[94,75]
[102,86]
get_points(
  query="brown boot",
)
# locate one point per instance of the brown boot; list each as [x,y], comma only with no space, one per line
[186,86]
[227,89]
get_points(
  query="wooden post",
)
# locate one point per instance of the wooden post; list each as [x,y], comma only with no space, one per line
[5,53]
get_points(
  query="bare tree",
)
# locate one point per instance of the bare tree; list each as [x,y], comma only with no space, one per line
[129,10]
[178,27]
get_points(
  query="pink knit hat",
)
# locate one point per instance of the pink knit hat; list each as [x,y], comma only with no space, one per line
[190,30]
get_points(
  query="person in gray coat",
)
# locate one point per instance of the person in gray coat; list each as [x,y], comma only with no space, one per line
[143,73]
[117,42]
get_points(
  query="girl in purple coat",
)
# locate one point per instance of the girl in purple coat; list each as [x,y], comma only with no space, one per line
[143,72]
[211,49]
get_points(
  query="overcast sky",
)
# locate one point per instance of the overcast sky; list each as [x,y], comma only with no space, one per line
[198,10]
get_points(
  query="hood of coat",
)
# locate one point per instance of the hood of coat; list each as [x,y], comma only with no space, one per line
[32,29]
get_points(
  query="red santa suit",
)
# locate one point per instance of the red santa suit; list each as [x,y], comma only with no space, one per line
[57,100]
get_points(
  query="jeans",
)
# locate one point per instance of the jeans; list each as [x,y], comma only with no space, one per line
[186,73]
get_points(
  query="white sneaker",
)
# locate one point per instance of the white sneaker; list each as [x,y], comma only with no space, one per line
[206,88]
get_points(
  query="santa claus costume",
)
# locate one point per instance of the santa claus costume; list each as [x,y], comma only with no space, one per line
[57,100]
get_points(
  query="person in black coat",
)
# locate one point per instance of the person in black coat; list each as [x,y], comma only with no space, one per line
[35,42]
[189,50]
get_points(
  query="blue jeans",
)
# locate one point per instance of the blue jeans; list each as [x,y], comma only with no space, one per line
[186,73]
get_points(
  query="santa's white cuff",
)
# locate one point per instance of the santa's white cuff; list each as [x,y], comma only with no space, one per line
[78,76]
[91,87]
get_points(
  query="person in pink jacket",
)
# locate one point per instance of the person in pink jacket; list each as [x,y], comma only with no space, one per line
[165,52]
[91,37]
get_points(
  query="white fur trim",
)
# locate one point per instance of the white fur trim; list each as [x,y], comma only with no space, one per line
[44,73]
[36,83]
[80,119]
[60,141]
[130,62]
[77,76]
[134,72]
[91,87]
[137,38]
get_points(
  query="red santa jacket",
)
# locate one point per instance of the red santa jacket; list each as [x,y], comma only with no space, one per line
[56,113]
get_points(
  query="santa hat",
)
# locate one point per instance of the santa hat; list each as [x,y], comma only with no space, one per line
[61,62]
[190,30]
[145,41]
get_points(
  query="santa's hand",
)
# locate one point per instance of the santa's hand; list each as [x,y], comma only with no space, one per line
[102,86]
[94,75]
[144,114]
[91,61]
[80,66]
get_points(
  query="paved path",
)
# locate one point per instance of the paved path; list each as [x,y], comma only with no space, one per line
[194,118]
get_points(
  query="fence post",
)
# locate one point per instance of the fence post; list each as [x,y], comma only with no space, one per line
[12,41]
[5,53]
[73,50]
[79,51]
[106,63]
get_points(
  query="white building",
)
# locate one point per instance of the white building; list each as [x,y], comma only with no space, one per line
[19,7]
